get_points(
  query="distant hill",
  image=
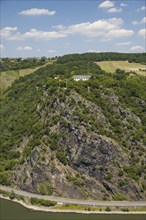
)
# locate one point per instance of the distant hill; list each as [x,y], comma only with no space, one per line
[104,56]
[84,139]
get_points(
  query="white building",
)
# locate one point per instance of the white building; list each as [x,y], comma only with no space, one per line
[81,77]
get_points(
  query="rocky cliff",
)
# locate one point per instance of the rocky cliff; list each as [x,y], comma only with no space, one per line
[83,142]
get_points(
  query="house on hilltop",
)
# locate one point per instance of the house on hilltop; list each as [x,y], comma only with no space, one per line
[81,77]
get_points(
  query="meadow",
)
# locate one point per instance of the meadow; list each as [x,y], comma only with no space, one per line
[111,66]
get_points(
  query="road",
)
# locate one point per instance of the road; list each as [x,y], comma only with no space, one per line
[76,201]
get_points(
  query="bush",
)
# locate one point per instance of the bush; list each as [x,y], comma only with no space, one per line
[35,201]
[45,189]
[119,197]
[75,181]
[108,209]
[61,156]
[4,179]
[121,183]
[125,209]
[12,195]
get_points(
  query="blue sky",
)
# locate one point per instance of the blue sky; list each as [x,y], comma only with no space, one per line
[52,28]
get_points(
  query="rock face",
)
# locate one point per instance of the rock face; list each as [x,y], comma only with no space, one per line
[73,159]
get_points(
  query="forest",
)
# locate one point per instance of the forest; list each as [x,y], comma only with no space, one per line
[104,56]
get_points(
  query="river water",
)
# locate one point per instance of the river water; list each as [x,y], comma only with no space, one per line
[13,211]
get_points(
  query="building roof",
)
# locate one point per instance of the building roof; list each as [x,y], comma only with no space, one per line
[81,77]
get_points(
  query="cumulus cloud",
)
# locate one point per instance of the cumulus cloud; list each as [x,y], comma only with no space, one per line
[114,10]
[135,22]
[109,7]
[7,32]
[123,5]
[46,35]
[37,11]
[142,33]
[120,33]
[123,43]
[137,48]
[59,27]
[143,21]
[142,8]
[106,4]
[104,28]
[97,28]
[31,34]
[24,48]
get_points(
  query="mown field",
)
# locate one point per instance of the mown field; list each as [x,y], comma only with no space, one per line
[111,66]
[9,76]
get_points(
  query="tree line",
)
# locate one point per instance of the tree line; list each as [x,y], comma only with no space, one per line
[104,56]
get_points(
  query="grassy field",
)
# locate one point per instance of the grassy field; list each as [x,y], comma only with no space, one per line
[111,66]
[9,76]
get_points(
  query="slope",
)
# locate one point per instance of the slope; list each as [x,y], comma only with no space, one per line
[75,139]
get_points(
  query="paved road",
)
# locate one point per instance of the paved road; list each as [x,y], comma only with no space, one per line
[75,201]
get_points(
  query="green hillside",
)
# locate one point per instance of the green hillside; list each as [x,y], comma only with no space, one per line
[9,76]
[84,139]
[12,73]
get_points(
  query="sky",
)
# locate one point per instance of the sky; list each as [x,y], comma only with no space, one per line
[48,28]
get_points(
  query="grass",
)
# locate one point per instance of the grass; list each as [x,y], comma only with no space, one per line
[79,207]
[137,209]
[111,66]
[9,76]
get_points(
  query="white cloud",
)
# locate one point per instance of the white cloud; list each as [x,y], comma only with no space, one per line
[24,48]
[137,48]
[142,33]
[123,5]
[114,10]
[51,51]
[106,4]
[59,27]
[106,29]
[135,22]
[37,11]
[10,28]
[123,43]
[143,21]
[7,32]
[38,50]
[142,8]
[2,47]
[36,34]
[120,33]
[97,28]
[32,34]
[109,7]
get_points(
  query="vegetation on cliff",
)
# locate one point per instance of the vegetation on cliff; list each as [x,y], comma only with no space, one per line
[84,139]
